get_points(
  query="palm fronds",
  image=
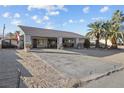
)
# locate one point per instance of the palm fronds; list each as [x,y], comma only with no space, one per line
[109,29]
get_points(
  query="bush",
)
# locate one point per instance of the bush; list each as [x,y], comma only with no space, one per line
[86,43]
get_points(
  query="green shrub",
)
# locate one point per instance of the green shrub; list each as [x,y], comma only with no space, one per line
[86,43]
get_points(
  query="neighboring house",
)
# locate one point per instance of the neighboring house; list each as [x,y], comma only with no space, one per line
[9,41]
[49,38]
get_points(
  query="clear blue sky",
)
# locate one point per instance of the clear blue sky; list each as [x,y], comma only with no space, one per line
[74,18]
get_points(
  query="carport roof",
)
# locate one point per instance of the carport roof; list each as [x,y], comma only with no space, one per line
[33,31]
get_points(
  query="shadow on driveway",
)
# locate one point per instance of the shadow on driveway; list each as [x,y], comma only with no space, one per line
[97,52]
[88,52]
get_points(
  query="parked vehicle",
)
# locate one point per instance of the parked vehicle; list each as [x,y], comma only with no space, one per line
[8,44]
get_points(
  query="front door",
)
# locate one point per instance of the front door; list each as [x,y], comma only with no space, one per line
[34,43]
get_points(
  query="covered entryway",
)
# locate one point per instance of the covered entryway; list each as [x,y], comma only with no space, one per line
[68,42]
[52,43]
[39,42]
[34,43]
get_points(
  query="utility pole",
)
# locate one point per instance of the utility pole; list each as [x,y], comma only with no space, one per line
[3,30]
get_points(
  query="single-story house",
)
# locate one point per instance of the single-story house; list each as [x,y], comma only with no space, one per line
[49,38]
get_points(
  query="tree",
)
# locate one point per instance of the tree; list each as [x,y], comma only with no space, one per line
[116,21]
[87,43]
[95,31]
[106,29]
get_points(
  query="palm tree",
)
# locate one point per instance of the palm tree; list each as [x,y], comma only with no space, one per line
[106,28]
[116,21]
[108,32]
[95,31]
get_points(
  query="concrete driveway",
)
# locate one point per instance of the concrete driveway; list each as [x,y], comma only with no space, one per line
[75,64]
[8,68]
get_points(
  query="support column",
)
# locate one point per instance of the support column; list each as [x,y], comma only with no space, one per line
[59,43]
[27,42]
[76,42]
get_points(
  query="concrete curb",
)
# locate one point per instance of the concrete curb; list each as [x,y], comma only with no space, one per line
[96,77]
